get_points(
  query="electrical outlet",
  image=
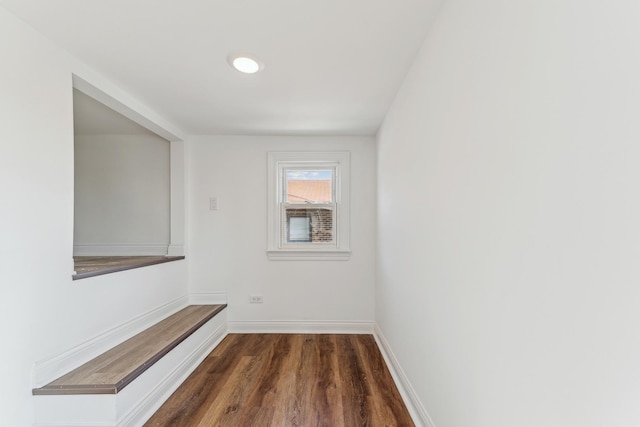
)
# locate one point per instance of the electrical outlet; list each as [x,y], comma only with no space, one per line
[255,299]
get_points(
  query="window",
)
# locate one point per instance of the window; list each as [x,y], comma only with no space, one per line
[308,205]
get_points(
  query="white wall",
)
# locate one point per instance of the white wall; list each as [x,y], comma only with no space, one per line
[227,248]
[122,195]
[508,203]
[43,312]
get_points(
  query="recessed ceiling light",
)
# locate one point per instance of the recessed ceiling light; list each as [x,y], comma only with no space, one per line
[245,64]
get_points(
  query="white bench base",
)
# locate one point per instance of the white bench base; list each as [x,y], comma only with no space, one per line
[134,404]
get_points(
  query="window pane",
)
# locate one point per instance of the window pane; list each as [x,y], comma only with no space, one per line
[309,186]
[314,225]
[299,229]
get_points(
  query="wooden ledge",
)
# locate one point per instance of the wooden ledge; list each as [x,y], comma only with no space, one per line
[115,369]
[91,266]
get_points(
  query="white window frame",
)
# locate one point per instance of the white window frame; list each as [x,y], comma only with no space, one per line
[277,163]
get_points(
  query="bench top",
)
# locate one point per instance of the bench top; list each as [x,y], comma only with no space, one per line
[111,371]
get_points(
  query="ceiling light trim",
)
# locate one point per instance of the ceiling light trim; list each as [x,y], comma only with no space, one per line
[245,63]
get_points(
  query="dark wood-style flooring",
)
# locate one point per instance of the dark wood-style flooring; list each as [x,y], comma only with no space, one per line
[256,380]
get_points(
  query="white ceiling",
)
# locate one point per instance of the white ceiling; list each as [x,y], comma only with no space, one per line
[331,66]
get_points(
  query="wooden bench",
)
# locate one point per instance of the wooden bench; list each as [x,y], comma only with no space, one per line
[109,373]
[112,371]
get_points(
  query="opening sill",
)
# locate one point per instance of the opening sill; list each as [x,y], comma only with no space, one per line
[91,266]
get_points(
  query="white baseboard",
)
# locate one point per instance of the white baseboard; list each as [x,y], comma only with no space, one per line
[47,370]
[417,411]
[120,250]
[300,327]
[208,298]
[175,250]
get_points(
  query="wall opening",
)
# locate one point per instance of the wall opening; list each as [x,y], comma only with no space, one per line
[128,186]
[122,184]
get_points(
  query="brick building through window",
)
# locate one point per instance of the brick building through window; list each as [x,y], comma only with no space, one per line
[305,223]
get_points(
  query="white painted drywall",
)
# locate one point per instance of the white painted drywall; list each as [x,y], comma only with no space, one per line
[227,247]
[122,195]
[509,216]
[44,312]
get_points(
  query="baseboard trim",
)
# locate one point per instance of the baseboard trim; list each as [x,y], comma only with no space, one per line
[300,327]
[205,298]
[175,250]
[156,397]
[417,411]
[72,424]
[47,370]
[120,250]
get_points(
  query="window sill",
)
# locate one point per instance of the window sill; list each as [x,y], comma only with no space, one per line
[308,255]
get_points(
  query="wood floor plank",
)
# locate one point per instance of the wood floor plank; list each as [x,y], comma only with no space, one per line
[387,400]
[328,395]
[226,409]
[283,402]
[188,405]
[277,350]
[293,380]
[354,386]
